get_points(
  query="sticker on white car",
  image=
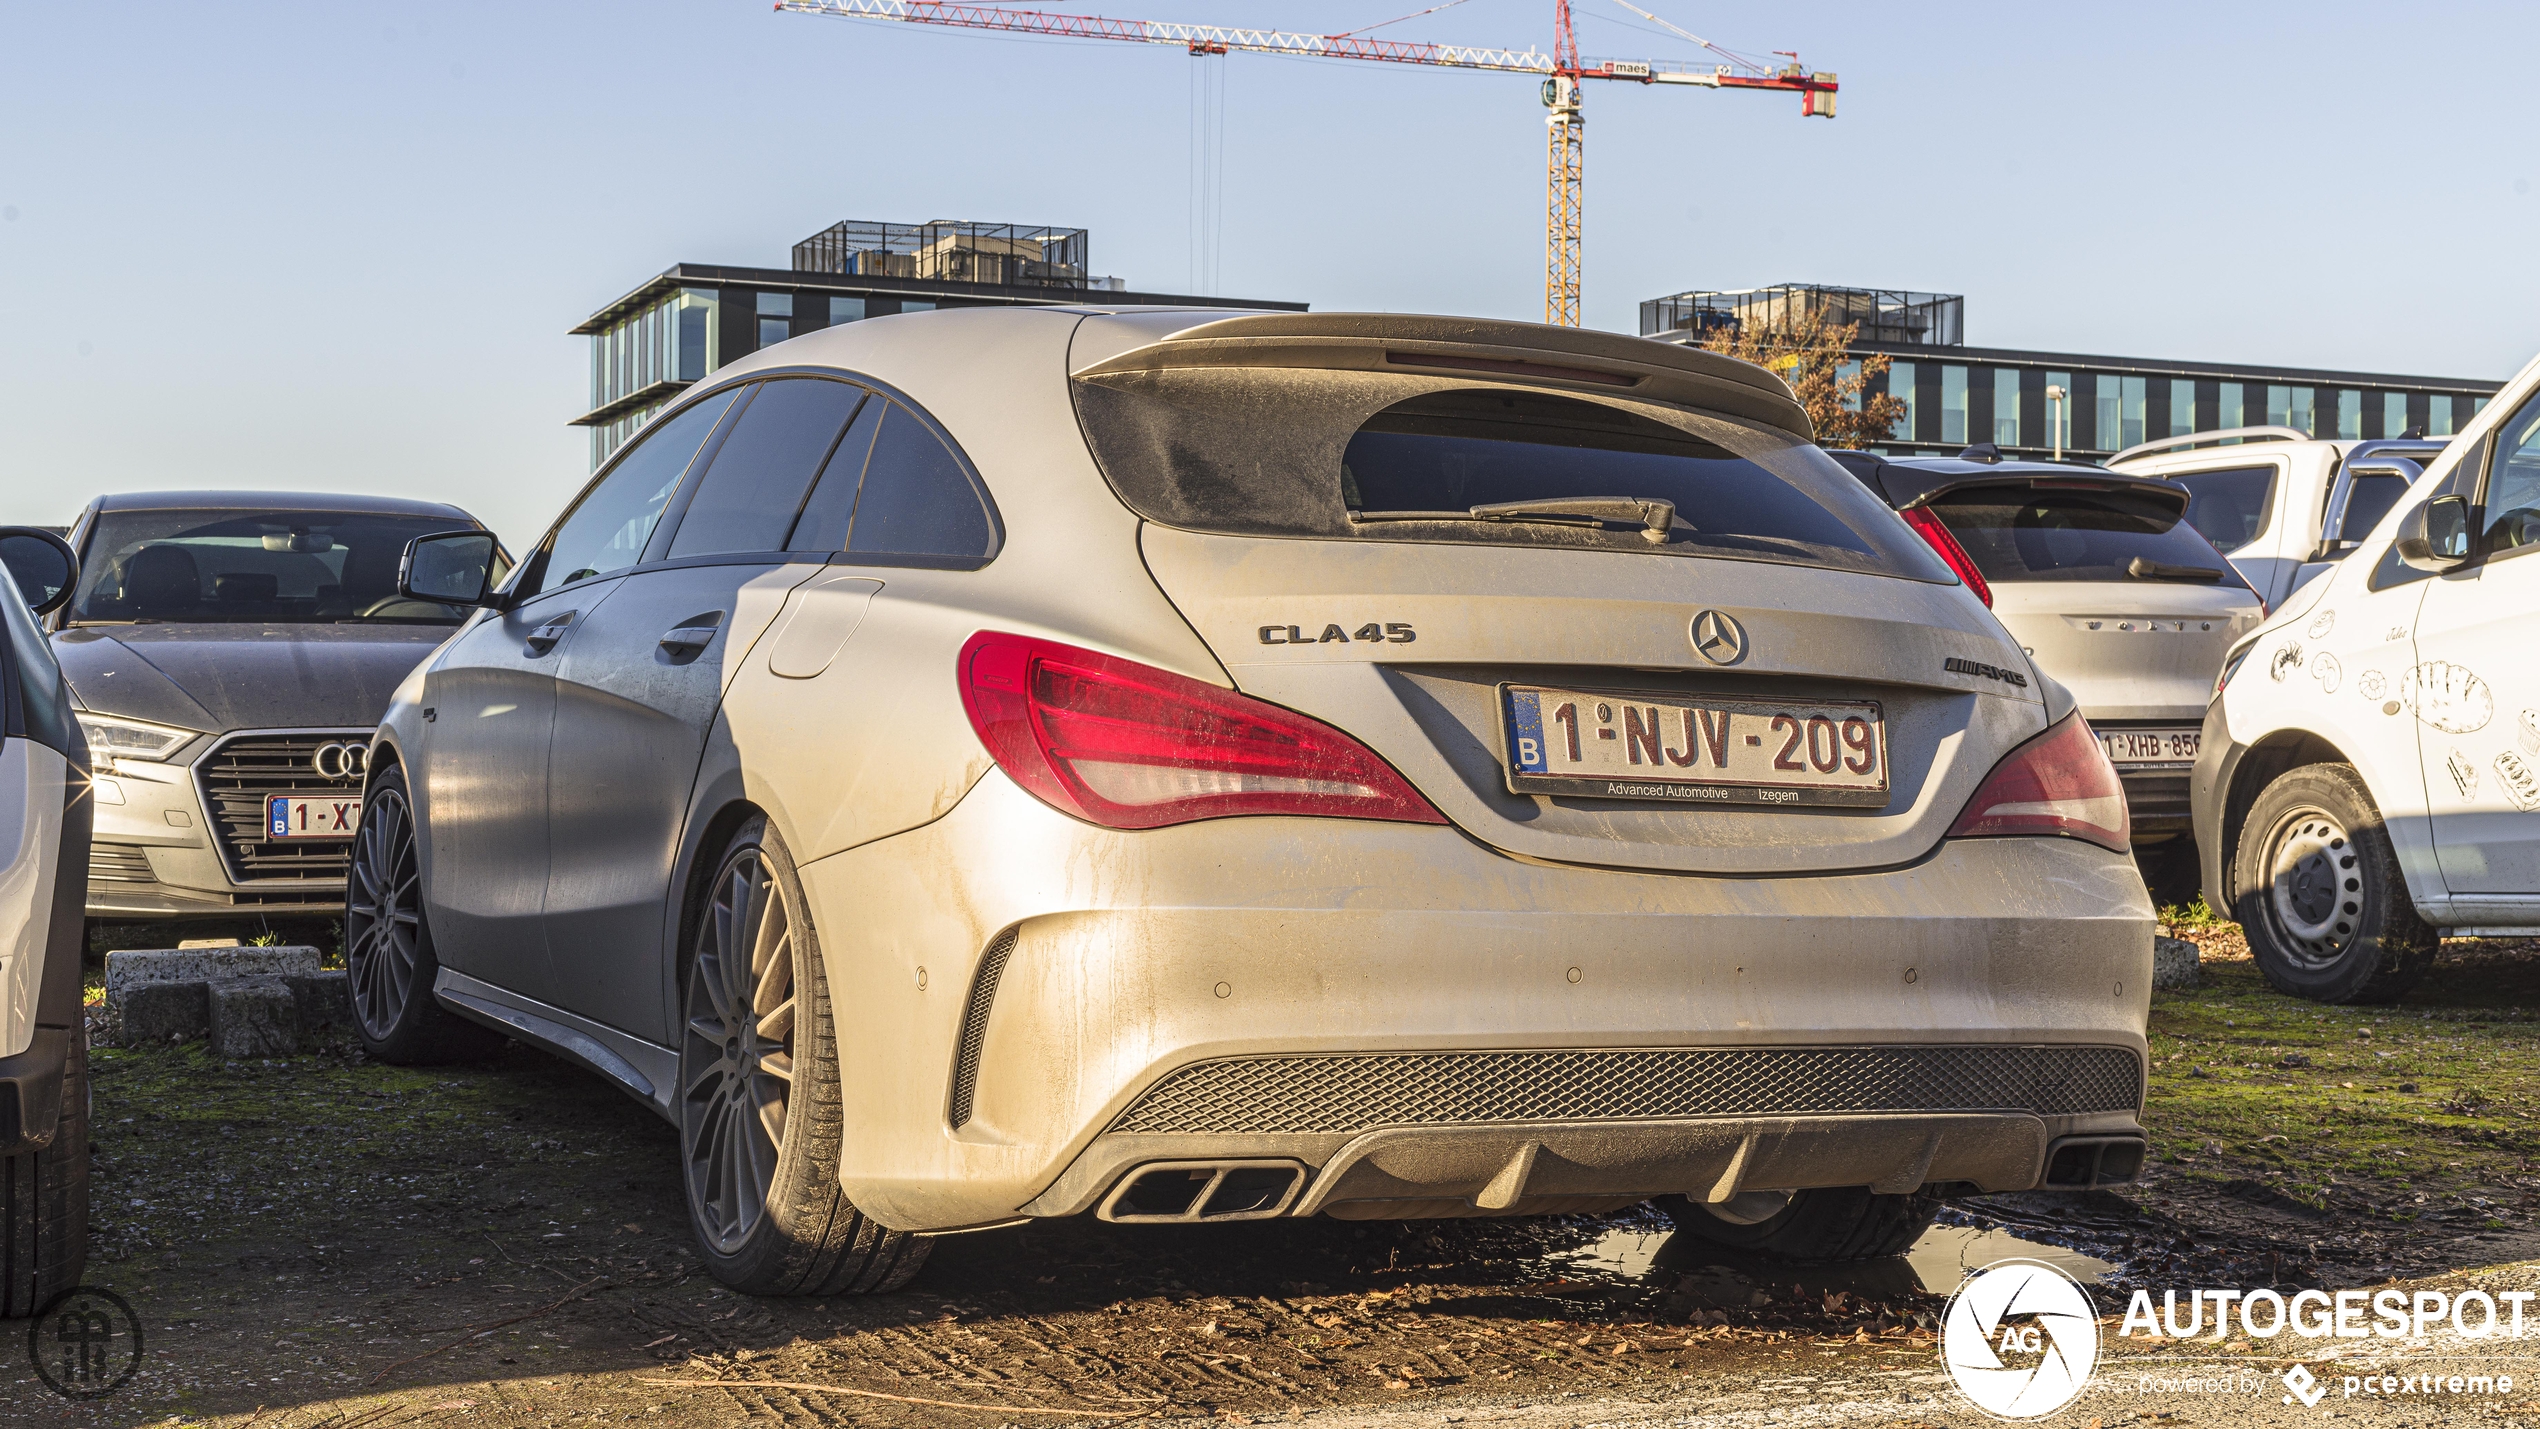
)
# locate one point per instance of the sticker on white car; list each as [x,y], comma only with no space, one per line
[2527,730]
[2372,685]
[2521,786]
[2325,669]
[2286,660]
[2464,773]
[2320,627]
[2448,697]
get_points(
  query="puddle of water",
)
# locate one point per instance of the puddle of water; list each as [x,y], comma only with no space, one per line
[1720,1278]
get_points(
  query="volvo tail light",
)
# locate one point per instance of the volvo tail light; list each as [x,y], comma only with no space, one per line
[2059,784]
[1129,746]
[1937,536]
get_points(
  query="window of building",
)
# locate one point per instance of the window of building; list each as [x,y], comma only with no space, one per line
[775,318]
[2290,407]
[917,305]
[845,310]
[2394,413]
[2438,416]
[2059,415]
[2006,406]
[2350,414]
[1846,375]
[1953,405]
[2182,406]
[696,358]
[2231,407]
[2120,412]
[1900,385]
[747,499]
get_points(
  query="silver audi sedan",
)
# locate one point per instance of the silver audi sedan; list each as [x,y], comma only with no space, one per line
[1185,767]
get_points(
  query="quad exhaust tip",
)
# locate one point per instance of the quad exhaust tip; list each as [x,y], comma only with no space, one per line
[2083,1163]
[1189,1192]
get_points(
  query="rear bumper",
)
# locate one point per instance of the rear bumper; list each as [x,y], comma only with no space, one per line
[2157,800]
[1040,1007]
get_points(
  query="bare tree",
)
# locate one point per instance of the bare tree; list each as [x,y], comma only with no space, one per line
[1798,345]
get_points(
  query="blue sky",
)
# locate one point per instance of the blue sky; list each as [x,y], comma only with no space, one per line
[338,247]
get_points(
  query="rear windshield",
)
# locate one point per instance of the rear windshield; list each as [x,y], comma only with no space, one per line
[2229,506]
[2021,534]
[1415,470]
[292,567]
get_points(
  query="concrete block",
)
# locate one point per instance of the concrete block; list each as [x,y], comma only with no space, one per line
[2175,964]
[325,1000]
[156,1012]
[133,969]
[254,1017]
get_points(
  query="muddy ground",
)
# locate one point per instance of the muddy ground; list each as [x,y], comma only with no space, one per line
[323,1243]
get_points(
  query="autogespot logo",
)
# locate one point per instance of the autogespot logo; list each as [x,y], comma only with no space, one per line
[2020,1339]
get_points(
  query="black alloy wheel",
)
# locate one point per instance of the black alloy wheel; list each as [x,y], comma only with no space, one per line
[739,1071]
[762,1112]
[383,913]
[388,956]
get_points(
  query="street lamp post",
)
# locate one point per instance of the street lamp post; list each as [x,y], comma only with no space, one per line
[2055,396]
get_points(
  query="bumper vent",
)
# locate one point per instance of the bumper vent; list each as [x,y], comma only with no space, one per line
[1322,1095]
[240,775]
[974,1027]
[119,863]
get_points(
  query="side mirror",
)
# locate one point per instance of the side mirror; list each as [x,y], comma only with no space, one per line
[2435,536]
[453,568]
[44,566]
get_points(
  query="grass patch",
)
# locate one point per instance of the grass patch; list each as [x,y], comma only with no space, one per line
[2420,1109]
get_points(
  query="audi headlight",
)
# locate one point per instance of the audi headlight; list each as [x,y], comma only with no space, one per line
[109,737]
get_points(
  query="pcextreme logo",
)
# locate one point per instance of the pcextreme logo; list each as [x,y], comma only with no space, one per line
[2020,1339]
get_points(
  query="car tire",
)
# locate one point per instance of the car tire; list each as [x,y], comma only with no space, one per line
[388,955]
[44,1204]
[1835,1223]
[762,1115]
[2320,895]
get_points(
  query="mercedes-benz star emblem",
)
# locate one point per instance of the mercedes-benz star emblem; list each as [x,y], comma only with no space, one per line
[1718,638]
[349,759]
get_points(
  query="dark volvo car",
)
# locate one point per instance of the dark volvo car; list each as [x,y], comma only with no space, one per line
[230,654]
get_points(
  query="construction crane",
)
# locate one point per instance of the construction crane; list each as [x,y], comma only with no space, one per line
[1562,71]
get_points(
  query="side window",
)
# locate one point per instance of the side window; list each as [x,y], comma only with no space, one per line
[894,489]
[823,526]
[747,499]
[917,499]
[2229,506]
[2513,482]
[607,528]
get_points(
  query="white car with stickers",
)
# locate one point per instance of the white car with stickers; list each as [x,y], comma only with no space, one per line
[2370,778]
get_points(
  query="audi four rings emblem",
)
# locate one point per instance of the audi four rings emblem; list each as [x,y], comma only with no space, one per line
[1718,638]
[341,760]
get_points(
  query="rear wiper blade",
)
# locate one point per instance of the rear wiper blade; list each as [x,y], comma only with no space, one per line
[2143,569]
[1656,517]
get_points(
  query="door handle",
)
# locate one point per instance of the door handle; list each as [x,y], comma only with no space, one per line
[688,638]
[544,638]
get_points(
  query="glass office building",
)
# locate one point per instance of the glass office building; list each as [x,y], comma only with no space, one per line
[1956,395]
[683,323]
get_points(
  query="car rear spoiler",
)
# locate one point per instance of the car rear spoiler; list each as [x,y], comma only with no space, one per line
[1536,355]
[2167,494]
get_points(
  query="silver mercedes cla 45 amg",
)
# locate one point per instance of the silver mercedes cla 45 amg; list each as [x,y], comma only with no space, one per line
[1179,766]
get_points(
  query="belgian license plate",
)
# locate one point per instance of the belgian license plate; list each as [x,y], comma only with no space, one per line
[2150,746]
[288,817]
[1607,744]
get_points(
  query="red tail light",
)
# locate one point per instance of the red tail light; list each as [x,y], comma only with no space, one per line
[2058,784]
[1128,746]
[1928,526]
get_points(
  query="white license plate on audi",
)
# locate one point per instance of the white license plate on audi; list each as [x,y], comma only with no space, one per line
[1607,744]
[2150,746]
[289,817]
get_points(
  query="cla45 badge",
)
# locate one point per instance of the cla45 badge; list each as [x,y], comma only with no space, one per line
[1396,631]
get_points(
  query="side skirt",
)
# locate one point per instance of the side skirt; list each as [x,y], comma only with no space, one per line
[648,1073]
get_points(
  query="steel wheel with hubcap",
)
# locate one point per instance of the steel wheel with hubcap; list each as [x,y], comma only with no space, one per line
[761,1115]
[2318,891]
[388,955]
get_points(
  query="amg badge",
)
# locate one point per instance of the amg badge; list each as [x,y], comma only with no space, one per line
[1956,666]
